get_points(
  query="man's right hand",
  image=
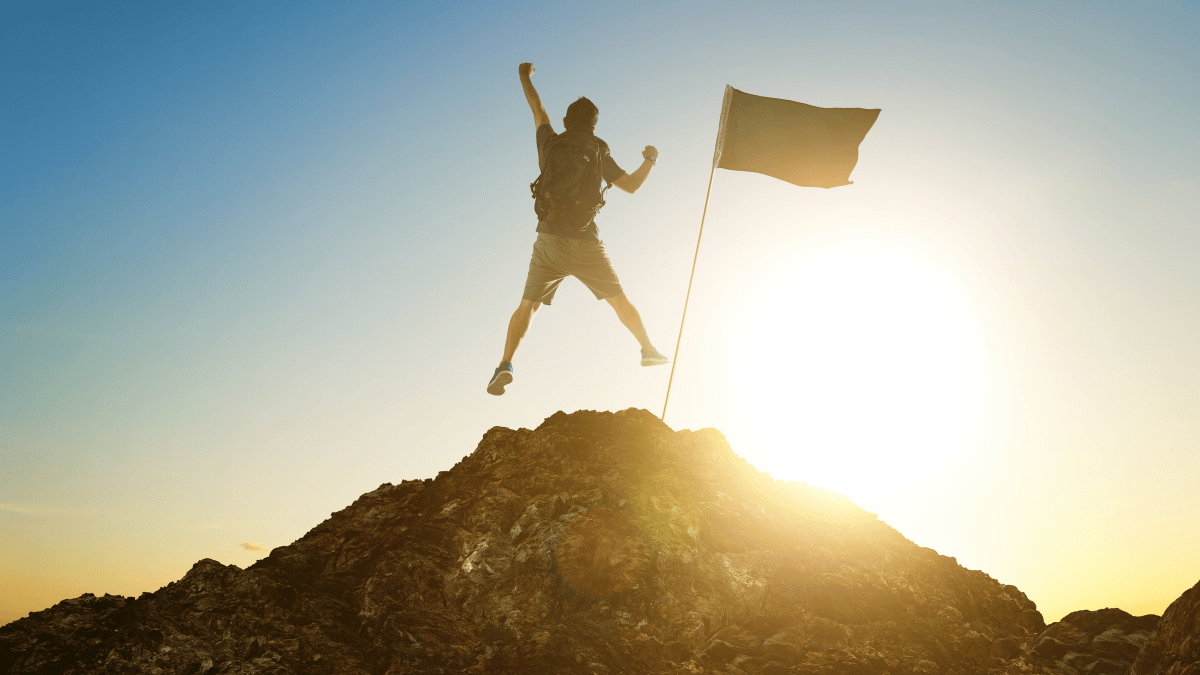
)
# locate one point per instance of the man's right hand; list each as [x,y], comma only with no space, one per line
[526,69]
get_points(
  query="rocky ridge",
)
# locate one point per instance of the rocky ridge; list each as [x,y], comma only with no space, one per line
[597,543]
[1101,641]
[1174,649]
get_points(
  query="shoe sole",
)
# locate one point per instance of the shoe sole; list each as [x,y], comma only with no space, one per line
[655,362]
[496,386]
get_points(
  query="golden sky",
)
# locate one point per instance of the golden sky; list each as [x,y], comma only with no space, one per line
[256,261]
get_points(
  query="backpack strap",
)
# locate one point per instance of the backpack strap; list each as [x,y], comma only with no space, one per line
[607,183]
[536,185]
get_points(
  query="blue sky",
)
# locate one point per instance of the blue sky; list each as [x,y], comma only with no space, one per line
[257,258]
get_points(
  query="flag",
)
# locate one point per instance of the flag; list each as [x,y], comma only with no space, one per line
[794,142]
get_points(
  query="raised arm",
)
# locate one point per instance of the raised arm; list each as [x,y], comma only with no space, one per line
[535,102]
[630,182]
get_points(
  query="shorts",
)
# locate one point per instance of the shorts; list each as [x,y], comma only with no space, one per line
[555,257]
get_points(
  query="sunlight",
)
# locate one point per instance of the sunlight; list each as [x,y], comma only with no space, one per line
[875,377]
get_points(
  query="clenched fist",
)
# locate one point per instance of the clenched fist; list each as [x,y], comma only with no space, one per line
[650,153]
[526,69]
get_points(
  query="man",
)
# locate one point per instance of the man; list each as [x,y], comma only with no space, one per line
[568,241]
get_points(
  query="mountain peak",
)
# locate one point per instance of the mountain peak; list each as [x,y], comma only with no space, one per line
[597,543]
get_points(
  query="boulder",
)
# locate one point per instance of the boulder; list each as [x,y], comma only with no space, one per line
[1100,641]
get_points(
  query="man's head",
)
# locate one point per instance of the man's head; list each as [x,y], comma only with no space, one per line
[582,115]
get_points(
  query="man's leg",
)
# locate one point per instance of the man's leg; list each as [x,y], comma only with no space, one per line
[629,316]
[517,325]
[595,270]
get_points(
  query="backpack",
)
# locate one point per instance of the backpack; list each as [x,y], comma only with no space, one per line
[567,193]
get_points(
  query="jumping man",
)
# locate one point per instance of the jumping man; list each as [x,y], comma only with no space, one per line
[567,195]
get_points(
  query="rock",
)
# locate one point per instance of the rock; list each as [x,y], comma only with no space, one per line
[677,652]
[720,651]
[1048,648]
[1005,648]
[597,543]
[1101,641]
[1174,647]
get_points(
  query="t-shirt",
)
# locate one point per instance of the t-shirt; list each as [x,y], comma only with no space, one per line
[609,169]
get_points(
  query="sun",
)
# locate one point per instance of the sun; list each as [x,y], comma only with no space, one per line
[875,374]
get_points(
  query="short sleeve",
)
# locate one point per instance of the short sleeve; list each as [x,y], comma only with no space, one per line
[610,169]
[545,135]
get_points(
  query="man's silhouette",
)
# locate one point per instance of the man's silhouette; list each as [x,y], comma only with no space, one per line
[567,242]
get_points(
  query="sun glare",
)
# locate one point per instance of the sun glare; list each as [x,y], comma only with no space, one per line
[875,377]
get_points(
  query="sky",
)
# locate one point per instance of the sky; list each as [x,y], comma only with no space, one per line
[258,258]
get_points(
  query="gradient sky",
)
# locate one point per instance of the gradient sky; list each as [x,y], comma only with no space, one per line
[257,259]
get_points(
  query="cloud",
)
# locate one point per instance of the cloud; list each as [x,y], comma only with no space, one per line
[251,546]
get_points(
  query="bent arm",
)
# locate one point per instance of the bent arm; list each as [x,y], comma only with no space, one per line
[531,96]
[630,182]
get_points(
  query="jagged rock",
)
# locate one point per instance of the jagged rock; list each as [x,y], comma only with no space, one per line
[1174,648]
[598,543]
[1102,641]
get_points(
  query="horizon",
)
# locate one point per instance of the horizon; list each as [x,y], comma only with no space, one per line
[257,260]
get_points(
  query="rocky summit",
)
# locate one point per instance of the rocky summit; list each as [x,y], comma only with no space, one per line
[596,543]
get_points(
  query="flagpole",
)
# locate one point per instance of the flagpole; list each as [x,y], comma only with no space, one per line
[716,160]
[675,358]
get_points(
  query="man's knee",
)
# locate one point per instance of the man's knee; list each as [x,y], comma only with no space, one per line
[528,306]
[619,301]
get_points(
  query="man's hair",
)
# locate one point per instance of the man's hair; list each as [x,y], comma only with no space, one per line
[582,115]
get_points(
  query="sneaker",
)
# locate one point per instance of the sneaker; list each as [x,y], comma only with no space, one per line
[651,357]
[502,376]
